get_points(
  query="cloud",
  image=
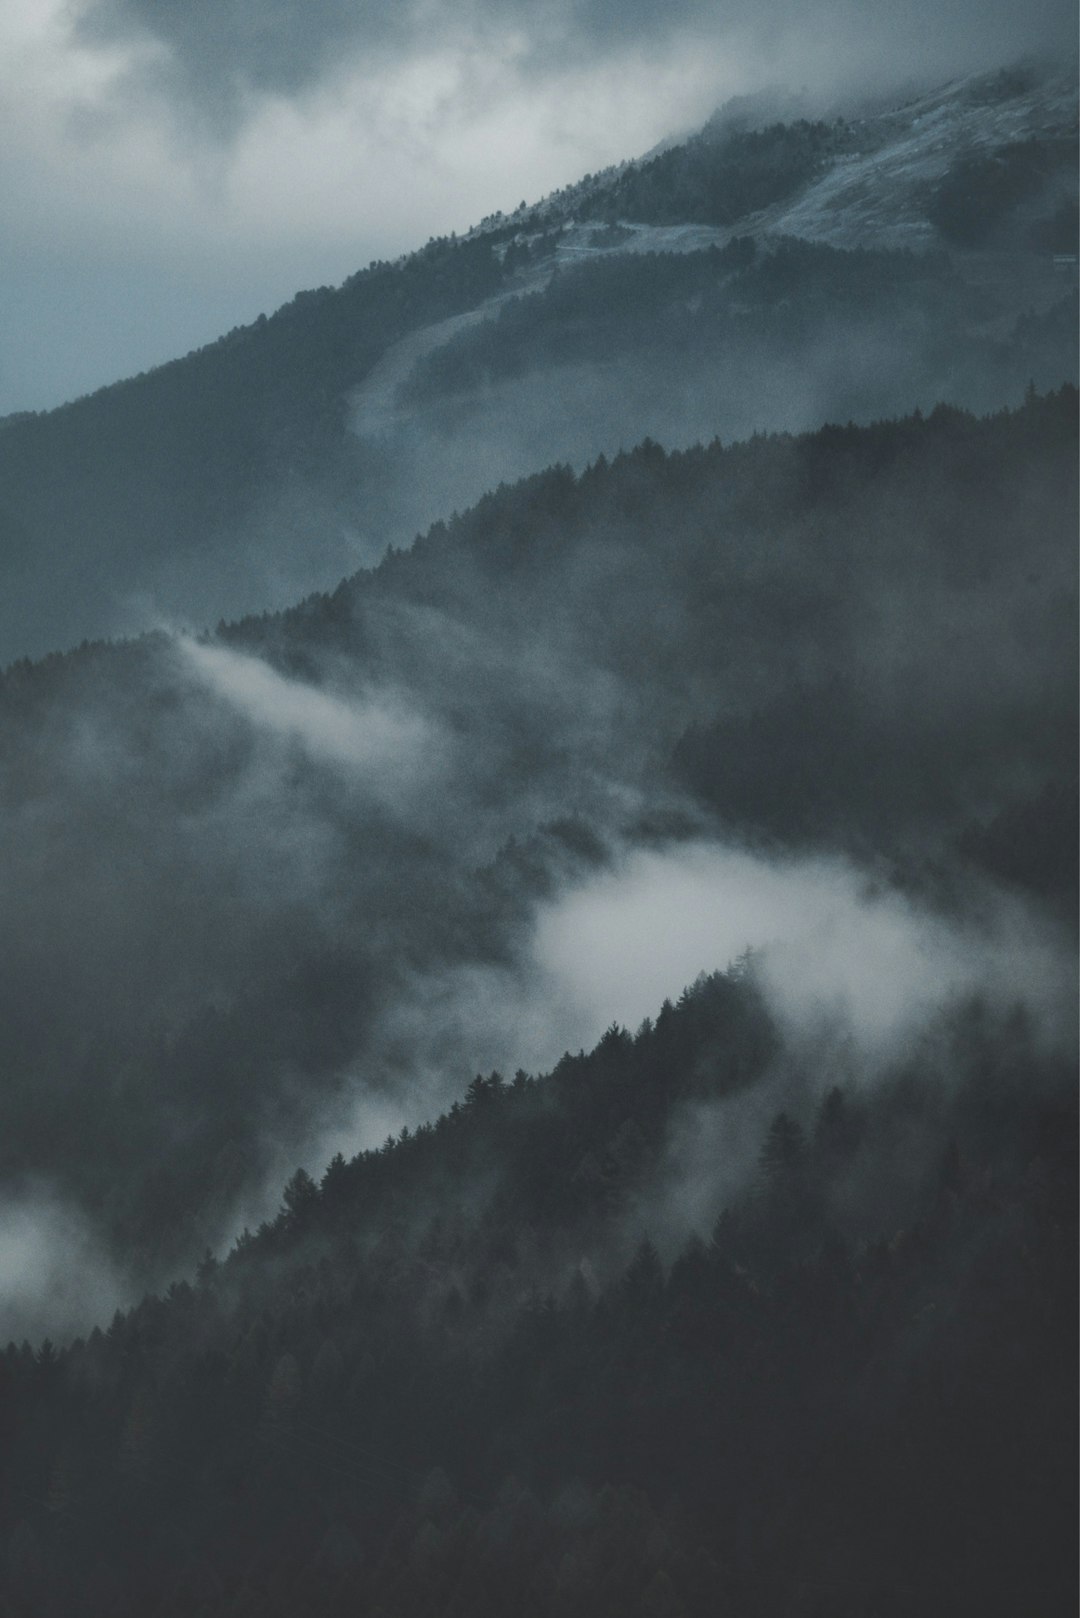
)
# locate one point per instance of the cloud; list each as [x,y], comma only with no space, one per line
[221,56]
[856,974]
[376,738]
[837,948]
[171,170]
[55,1276]
[860,979]
[408,71]
[140,224]
[852,970]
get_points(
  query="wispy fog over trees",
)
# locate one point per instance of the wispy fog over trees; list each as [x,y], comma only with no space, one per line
[537,1057]
[245,875]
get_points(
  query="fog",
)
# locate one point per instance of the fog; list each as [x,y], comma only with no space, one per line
[444,459]
[868,986]
[835,946]
[859,976]
[546,1040]
[217,62]
[485,398]
[392,749]
[278,892]
[56,1277]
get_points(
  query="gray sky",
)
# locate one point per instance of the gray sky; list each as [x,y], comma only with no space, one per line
[170,168]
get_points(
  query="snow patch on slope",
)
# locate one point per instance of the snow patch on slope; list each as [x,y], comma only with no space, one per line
[876,197]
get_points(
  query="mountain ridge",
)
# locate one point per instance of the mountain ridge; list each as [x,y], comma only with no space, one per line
[237,477]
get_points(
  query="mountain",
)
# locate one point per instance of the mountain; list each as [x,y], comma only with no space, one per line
[752,277]
[265,886]
[538,1057]
[721,790]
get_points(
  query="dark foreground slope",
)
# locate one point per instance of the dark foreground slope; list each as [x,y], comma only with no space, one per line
[454,1379]
[260,884]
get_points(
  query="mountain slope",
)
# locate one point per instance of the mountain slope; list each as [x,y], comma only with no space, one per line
[764,1309]
[275,884]
[456,1377]
[243,476]
[988,162]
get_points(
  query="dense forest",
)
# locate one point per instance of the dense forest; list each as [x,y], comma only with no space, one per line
[457,1376]
[304,860]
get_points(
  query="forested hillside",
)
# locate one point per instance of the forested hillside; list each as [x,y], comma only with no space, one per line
[457,1376]
[293,450]
[740,336]
[314,868]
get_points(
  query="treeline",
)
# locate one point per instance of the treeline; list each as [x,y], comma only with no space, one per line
[458,1377]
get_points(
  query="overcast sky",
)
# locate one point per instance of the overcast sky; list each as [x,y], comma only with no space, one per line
[170,168]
